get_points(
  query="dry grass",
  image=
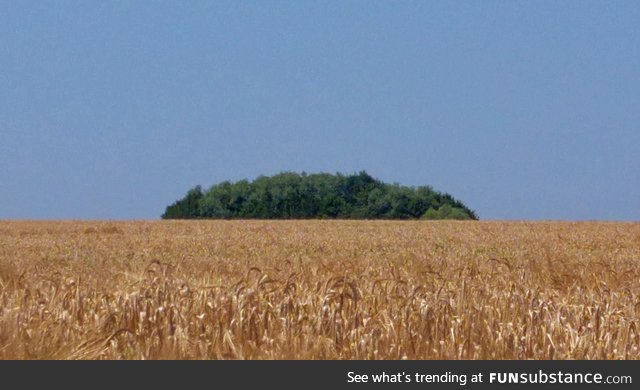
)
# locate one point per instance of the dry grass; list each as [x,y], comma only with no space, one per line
[319,290]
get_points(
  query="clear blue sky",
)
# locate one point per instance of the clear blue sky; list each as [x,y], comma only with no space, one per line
[523,110]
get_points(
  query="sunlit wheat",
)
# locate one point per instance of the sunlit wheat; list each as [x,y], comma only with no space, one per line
[319,290]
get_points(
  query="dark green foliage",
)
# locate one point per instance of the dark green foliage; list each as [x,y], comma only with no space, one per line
[290,195]
[446,212]
[187,207]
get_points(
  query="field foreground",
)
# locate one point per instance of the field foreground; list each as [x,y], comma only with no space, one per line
[319,290]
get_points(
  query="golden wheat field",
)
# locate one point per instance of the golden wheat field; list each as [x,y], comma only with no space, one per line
[319,290]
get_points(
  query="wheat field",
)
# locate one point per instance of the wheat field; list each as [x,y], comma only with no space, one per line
[319,290]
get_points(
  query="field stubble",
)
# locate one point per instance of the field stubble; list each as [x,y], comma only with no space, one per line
[319,290]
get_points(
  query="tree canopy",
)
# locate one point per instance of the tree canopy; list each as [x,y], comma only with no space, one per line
[290,195]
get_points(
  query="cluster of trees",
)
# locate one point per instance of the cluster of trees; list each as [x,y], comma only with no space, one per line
[291,195]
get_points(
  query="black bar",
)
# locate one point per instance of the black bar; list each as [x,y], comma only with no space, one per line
[310,374]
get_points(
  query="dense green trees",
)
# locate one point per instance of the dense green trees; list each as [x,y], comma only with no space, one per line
[290,195]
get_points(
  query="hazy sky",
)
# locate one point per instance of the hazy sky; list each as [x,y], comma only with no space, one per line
[523,110]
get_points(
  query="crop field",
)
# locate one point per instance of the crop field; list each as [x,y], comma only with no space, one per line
[319,290]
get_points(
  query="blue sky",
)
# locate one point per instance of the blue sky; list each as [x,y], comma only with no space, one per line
[523,110]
